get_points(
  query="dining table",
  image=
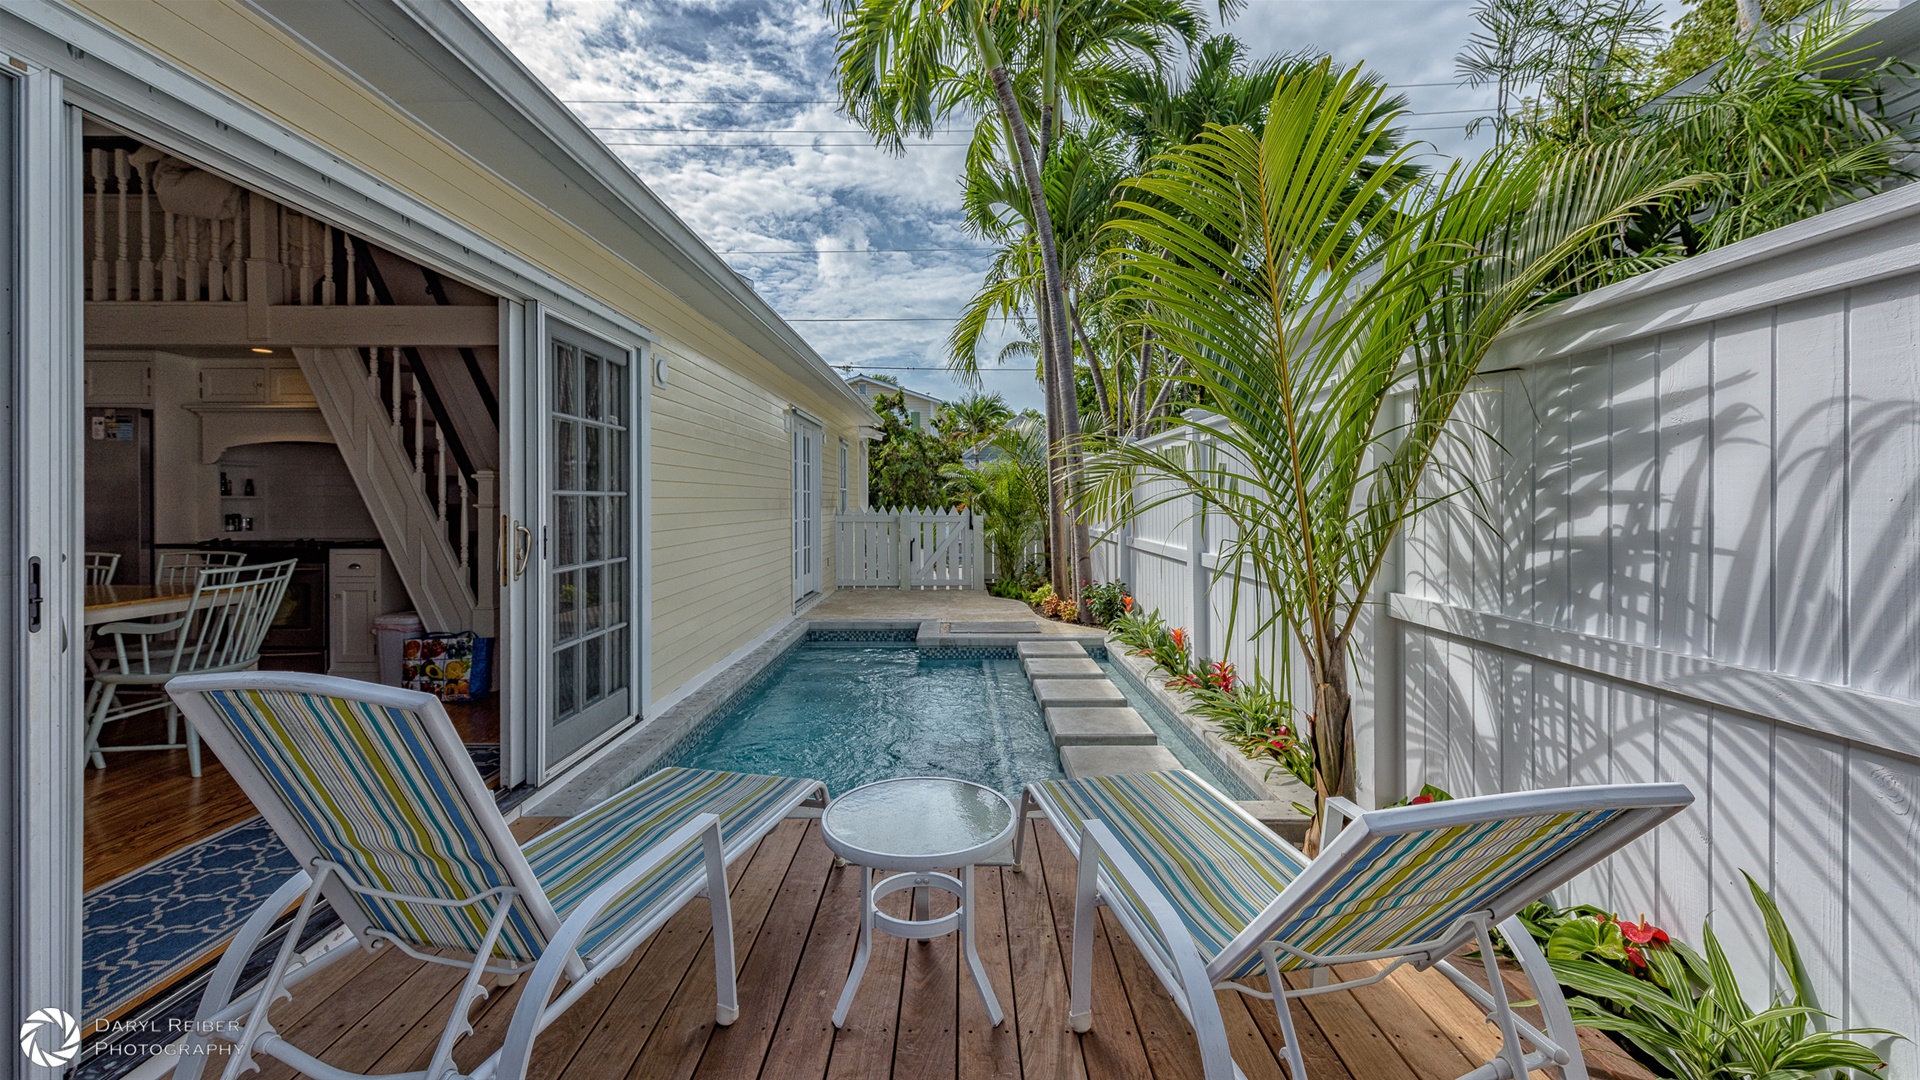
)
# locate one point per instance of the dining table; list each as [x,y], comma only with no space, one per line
[115,603]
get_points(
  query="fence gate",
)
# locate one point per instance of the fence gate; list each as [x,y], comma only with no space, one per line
[909,549]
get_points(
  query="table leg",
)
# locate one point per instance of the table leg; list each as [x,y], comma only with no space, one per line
[966,946]
[860,955]
[921,898]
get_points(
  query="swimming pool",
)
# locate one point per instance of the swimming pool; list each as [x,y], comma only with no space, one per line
[852,712]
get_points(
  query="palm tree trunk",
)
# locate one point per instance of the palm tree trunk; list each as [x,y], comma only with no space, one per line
[1100,393]
[1333,753]
[1063,455]
[1139,417]
[1058,548]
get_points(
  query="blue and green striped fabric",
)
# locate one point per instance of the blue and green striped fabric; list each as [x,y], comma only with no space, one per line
[1220,872]
[1406,887]
[374,796]
[572,860]
[1218,869]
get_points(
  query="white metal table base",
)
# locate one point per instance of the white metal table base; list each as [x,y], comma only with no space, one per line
[918,928]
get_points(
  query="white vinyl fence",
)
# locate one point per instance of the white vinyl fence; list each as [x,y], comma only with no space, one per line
[909,549]
[1703,565]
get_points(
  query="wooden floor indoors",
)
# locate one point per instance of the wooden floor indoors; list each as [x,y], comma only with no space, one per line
[916,1015]
[145,804]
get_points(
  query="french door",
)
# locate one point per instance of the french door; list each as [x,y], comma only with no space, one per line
[589,581]
[807,439]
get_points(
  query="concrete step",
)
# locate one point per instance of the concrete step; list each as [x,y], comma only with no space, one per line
[1093,693]
[1051,648]
[1061,667]
[1078,726]
[1080,761]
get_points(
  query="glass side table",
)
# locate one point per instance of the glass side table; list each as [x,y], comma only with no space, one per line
[917,825]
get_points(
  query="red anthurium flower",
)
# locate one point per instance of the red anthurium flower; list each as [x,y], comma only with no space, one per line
[1421,799]
[1635,958]
[1643,932]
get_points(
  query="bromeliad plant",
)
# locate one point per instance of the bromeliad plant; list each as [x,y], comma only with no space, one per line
[1687,1013]
[1302,287]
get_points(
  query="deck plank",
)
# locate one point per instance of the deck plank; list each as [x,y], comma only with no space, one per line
[804,1040]
[864,1047]
[768,972]
[917,1016]
[1366,1050]
[926,1045]
[680,1037]
[1047,1048]
[1112,1047]
[1414,1034]
[987,1052]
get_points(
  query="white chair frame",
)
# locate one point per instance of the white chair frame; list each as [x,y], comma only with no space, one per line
[1192,977]
[179,567]
[225,623]
[241,1019]
[101,566]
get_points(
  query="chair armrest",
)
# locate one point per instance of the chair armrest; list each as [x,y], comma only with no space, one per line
[1338,812]
[118,628]
[559,959]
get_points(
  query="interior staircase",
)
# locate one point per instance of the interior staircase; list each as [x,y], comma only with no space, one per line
[435,506]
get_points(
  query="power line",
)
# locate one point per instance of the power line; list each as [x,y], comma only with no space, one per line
[757,145]
[879,318]
[836,101]
[843,251]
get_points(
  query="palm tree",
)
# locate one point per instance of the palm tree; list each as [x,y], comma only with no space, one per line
[1299,292]
[1009,491]
[906,65]
[974,419]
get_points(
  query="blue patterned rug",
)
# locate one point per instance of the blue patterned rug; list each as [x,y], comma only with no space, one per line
[147,928]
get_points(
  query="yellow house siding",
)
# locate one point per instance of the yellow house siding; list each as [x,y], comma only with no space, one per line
[721,509]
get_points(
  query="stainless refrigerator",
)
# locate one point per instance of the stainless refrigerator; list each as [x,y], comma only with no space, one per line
[119,491]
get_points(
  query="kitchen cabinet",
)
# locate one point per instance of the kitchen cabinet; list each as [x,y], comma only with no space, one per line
[361,584]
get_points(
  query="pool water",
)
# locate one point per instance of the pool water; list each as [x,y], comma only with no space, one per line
[850,713]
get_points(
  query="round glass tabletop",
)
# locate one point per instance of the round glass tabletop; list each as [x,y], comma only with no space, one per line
[916,818]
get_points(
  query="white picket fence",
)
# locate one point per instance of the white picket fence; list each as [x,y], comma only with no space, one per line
[909,549]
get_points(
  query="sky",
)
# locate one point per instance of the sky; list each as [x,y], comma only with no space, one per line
[725,109]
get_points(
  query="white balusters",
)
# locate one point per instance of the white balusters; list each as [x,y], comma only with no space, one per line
[440,468]
[419,436]
[305,295]
[193,258]
[170,261]
[350,261]
[97,172]
[146,232]
[326,265]
[122,265]
[397,370]
[216,265]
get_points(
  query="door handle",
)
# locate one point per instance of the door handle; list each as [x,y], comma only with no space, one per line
[523,550]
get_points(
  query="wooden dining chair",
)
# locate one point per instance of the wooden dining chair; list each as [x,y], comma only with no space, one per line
[101,566]
[222,630]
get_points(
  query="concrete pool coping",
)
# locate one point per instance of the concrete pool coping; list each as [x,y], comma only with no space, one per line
[635,752]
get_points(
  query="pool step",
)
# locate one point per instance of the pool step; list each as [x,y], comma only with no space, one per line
[1090,693]
[1061,667]
[1056,649]
[1083,761]
[1080,726]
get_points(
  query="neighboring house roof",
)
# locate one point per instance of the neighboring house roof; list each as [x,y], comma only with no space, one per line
[868,387]
[433,60]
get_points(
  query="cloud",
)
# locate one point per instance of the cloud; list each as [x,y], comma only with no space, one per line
[725,109]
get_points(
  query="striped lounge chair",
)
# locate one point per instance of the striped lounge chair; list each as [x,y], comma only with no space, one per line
[373,792]
[1211,896]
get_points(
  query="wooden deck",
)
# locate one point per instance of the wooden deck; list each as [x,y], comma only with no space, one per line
[916,1016]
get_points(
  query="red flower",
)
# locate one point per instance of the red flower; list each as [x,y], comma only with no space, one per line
[1421,799]
[1643,932]
[1635,959]
[1126,603]
[1179,636]
[1222,674]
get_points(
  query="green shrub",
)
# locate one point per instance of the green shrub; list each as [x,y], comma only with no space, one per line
[1108,601]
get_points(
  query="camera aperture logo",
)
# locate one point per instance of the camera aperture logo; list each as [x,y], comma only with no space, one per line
[50,1038]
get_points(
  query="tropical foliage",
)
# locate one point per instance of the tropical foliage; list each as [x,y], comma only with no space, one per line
[1686,1013]
[904,464]
[1008,486]
[1307,284]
